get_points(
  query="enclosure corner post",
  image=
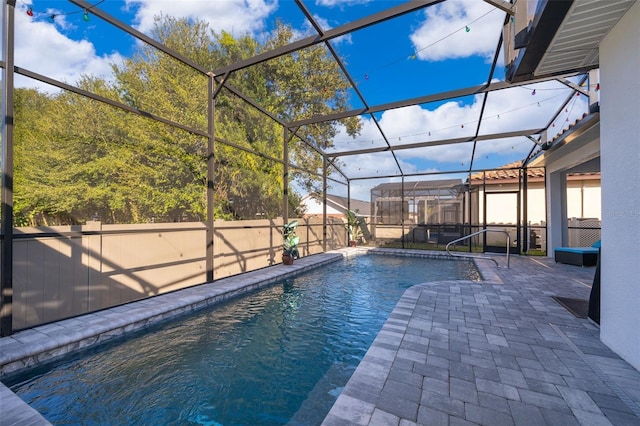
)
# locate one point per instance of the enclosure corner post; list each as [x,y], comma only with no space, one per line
[402,211]
[6,232]
[285,176]
[348,207]
[325,167]
[211,109]
[525,214]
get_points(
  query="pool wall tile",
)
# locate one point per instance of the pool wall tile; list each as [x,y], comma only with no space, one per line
[44,343]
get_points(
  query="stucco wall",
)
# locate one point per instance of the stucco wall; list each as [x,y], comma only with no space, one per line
[583,200]
[620,160]
[313,206]
[562,199]
[502,209]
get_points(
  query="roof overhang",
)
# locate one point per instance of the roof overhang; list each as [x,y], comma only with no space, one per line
[561,37]
[586,130]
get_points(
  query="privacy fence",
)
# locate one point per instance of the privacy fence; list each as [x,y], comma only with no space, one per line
[65,271]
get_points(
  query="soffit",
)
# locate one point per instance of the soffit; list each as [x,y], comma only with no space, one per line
[576,44]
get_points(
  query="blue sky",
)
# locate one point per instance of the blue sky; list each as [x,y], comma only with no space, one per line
[439,48]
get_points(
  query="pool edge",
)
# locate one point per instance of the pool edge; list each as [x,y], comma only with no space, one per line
[44,343]
[24,349]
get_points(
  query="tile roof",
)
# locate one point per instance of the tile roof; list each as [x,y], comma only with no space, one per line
[509,171]
[563,133]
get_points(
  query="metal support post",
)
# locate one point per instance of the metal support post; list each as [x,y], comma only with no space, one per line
[211,165]
[6,231]
[324,202]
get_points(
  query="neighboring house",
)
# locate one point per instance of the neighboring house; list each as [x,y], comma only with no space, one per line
[583,194]
[421,202]
[498,190]
[501,188]
[423,211]
[337,206]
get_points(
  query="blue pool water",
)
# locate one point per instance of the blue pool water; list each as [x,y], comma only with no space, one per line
[274,357]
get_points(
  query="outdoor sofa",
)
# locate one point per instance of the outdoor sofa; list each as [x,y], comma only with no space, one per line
[579,256]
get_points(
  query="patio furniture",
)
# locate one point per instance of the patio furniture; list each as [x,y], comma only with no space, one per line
[594,296]
[579,256]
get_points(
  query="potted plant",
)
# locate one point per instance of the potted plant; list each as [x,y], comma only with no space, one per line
[290,245]
[353,228]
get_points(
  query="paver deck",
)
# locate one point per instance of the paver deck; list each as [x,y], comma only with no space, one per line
[501,351]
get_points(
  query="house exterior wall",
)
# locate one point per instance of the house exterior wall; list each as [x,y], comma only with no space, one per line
[556,209]
[313,207]
[536,212]
[563,199]
[502,209]
[583,200]
[620,157]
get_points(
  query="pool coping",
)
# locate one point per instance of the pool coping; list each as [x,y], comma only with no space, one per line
[46,343]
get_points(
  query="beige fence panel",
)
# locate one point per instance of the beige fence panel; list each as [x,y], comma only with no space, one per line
[64,271]
[146,260]
[242,246]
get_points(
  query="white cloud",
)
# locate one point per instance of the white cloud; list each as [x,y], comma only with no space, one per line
[372,164]
[325,25]
[42,48]
[520,146]
[443,34]
[334,3]
[506,110]
[237,17]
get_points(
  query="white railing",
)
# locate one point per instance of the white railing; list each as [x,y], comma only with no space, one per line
[478,256]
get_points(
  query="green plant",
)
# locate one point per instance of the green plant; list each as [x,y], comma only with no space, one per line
[291,240]
[353,225]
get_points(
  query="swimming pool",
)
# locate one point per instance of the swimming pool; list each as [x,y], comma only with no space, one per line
[277,356]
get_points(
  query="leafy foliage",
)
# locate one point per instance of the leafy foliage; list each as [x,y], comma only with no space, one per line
[353,225]
[291,240]
[78,159]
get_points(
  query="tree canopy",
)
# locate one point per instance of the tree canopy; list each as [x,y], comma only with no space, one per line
[78,159]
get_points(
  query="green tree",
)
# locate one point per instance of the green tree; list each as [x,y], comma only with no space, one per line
[304,84]
[129,169]
[31,204]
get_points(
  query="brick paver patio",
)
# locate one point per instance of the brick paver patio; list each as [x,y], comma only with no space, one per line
[500,352]
[496,352]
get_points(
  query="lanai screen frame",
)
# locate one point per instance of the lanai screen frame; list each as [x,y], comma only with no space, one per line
[217,81]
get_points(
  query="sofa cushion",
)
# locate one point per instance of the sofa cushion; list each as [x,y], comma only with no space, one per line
[578,249]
